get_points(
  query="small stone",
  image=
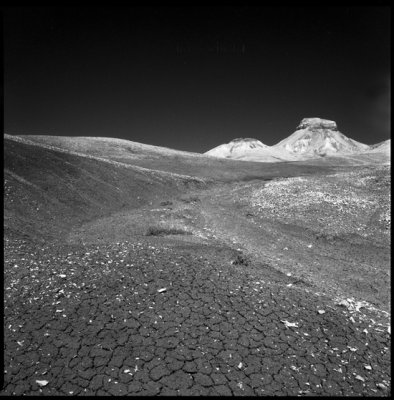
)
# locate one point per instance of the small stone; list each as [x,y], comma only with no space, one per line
[381,386]
[290,324]
[344,303]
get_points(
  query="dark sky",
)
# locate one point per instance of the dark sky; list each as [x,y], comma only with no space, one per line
[195,77]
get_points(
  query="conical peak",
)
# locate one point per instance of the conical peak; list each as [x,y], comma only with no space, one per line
[317,123]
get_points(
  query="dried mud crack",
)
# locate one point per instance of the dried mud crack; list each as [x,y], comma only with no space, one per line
[137,318]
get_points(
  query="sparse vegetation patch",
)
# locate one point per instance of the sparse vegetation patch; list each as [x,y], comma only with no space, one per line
[162,231]
[166,203]
[190,199]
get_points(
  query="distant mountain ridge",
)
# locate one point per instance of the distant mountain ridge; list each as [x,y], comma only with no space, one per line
[313,138]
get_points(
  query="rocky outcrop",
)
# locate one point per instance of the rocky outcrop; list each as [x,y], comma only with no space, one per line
[317,123]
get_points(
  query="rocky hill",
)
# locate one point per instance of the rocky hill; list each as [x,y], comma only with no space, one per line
[382,147]
[249,150]
[319,137]
[314,138]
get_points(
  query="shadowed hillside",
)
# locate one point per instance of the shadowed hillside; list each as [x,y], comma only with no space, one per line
[169,160]
[47,192]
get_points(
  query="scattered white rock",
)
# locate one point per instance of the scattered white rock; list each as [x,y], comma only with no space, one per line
[321,311]
[358,305]
[162,290]
[290,324]
[344,303]
[360,378]
[42,383]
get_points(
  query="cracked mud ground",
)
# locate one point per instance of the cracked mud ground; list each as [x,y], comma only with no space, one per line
[148,317]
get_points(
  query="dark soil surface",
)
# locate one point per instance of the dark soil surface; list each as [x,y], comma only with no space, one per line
[124,281]
[147,317]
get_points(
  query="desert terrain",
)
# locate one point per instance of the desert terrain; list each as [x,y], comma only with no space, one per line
[137,270]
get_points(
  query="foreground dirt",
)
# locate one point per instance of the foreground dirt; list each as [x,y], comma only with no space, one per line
[267,288]
[151,317]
